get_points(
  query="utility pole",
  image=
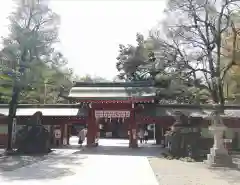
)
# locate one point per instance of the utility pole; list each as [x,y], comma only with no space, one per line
[154,133]
[45,92]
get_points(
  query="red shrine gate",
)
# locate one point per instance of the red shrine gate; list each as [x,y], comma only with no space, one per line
[112,100]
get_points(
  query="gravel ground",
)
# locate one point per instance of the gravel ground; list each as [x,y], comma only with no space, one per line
[175,172]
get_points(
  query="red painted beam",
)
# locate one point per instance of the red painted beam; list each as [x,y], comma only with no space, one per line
[111,106]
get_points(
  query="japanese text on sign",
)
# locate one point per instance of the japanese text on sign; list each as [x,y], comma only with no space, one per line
[112,114]
[57,133]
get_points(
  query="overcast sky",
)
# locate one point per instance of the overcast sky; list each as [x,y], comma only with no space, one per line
[92,30]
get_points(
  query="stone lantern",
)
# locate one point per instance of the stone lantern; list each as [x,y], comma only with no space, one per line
[218,156]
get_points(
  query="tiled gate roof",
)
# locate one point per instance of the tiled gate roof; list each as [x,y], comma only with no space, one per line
[113,92]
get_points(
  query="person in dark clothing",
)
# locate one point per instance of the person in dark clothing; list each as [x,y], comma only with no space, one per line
[141,135]
[146,136]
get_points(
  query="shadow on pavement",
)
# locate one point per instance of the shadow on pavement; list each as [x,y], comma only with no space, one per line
[10,163]
[52,168]
[68,147]
[122,150]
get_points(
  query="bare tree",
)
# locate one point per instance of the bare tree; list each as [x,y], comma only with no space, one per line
[195,47]
[193,44]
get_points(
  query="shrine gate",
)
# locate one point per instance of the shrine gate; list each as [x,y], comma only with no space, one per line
[112,101]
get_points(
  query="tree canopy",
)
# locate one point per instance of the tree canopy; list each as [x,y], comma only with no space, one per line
[28,58]
[186,55]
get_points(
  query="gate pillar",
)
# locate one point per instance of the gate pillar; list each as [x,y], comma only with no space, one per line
[65,134]
[91,128]
[69,133]
[133,139]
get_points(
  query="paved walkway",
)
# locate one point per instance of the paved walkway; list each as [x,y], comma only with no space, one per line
[112,163]
[105,165]
[175,172]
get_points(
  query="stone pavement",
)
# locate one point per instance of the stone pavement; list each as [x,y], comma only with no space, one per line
[112,163]
[175,172]
[118,165]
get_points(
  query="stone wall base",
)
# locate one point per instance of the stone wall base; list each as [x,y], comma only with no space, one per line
[219,158]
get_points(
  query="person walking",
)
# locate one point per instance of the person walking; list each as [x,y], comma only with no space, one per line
[81,137]
[141,135]
[146,136]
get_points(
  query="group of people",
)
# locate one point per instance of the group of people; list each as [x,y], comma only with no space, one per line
[143,136]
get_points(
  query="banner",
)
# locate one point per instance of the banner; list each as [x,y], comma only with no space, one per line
[111,114]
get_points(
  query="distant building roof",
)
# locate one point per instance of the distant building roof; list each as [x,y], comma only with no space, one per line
[152,111]
[231,113]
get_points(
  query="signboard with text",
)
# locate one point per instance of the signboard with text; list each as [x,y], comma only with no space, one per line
[57,133]
[111,114]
